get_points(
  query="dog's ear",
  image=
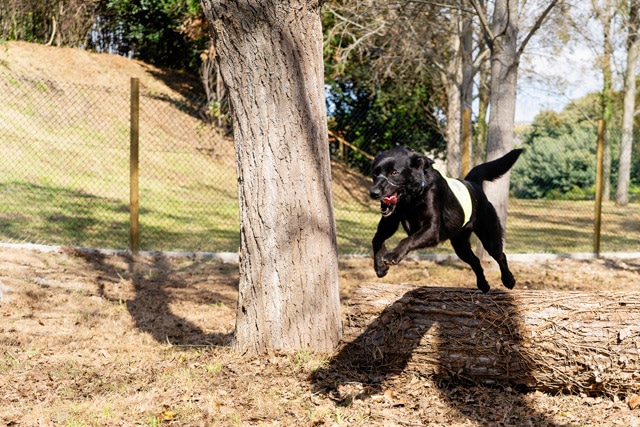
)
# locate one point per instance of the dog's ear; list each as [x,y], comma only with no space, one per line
[420,162]
[429,162]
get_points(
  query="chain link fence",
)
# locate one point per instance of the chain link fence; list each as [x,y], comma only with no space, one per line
[64,179]
[64,174]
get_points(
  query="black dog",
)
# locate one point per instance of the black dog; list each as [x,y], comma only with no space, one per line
[416,195]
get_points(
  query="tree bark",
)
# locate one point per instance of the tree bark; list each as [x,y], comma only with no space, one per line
[502,37]
[502,101]
[532,340]
[480,141]
[504,79]
[633,50]
[270,57]
[605,13]
[452,78]
[469,71]
[454,125]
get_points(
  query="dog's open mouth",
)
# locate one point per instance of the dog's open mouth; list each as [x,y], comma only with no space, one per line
[388,204]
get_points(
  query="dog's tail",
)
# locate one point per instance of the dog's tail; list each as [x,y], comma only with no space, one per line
[494,169]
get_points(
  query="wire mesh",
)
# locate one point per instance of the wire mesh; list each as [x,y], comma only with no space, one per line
[64,179]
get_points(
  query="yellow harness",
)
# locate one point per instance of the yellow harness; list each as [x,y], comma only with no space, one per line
[463,195]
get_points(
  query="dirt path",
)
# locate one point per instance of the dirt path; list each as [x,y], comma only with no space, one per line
[108,340]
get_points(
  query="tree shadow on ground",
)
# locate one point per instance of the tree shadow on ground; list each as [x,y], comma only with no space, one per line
[155,282]
[450,342]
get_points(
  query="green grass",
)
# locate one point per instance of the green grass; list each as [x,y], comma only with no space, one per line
[64,175]
[533,226]
[64,180]
[562,226]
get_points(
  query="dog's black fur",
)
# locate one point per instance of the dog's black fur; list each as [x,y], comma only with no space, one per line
[414,194]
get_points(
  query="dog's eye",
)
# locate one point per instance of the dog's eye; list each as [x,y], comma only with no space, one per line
[393,173]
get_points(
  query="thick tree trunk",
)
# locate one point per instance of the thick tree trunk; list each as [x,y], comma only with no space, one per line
[504,78]
[532,340]
[270,56]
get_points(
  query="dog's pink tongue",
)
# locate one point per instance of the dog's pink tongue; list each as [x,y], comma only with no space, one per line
[390,200]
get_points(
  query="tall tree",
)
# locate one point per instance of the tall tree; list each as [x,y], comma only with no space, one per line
[451,78]
[501,33]
[458,70]
[594,24]
[605,11]
[628,110]
[484,83]
[411,43]
[270,57]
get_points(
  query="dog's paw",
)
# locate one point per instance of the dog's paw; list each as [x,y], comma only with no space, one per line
[381,268]
[381,272]
[483,285]
[391,258]
[508,281]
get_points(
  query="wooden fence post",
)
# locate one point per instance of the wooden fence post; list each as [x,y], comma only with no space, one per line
[134,201]
[599,187]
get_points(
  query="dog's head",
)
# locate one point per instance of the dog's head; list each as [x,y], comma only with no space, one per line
[398,173]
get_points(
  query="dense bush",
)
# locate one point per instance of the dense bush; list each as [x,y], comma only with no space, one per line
[560,154]
[557,166]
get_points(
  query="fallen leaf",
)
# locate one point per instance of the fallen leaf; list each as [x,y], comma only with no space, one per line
[166,415]
[634,401]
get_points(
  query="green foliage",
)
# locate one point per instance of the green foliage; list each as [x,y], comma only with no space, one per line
[170,33]
[559,160]
[374,112]
[560,153]
[157,32]
[393,115]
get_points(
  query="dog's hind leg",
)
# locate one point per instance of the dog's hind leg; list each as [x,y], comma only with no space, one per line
[492,242]
[462,246]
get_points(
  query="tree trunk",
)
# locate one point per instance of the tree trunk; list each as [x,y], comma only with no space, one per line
[270,56]
[633,49]
[504,78]
[502,101]
[453,80]
[468,75]
[480,139]
[454,125]
[532,340]
[605,13]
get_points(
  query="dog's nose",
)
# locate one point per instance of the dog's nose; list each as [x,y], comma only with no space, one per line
[375,193]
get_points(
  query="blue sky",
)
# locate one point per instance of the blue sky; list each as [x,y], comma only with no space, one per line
[549,82]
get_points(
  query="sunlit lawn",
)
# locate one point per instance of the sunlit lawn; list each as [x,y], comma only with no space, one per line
[64,180]
[533,226]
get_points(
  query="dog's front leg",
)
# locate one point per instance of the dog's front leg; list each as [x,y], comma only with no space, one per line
[425,237]
[386,228]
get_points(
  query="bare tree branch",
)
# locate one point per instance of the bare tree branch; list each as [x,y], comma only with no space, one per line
[536,26]
[489,37]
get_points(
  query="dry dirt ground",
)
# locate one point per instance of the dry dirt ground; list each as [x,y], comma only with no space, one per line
[107,340]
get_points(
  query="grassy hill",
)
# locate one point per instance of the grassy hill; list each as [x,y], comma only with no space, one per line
[67,65]
[64,126]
